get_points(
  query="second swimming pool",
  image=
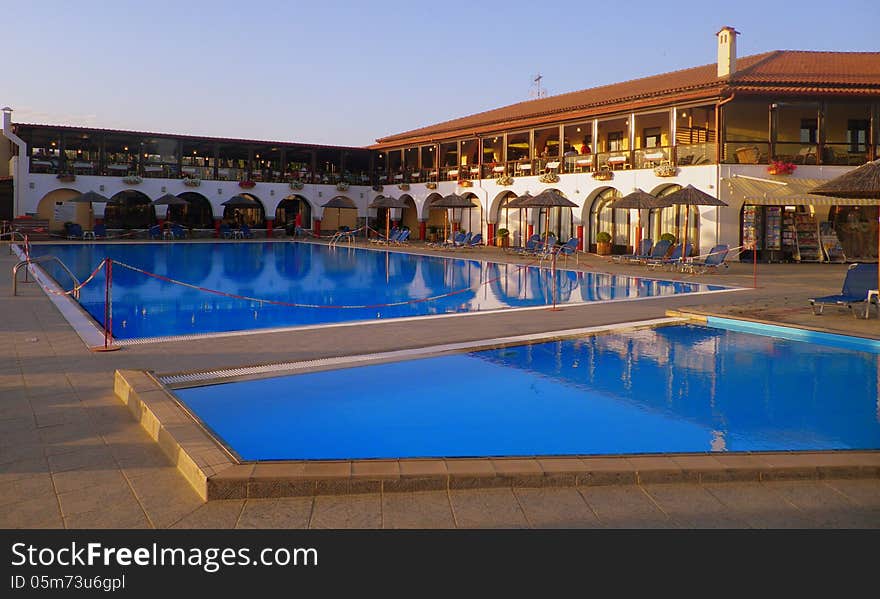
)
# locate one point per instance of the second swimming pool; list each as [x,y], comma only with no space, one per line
[664,390]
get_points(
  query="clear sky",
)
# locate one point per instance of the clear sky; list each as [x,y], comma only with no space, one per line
[346,72]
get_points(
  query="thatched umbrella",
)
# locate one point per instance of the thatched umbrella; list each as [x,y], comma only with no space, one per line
[340,202]
[860,183]
[453,200]
[239,201]
[691,196]
[170,200]
[89,197]
[548,199]
[637,200]
[388,203]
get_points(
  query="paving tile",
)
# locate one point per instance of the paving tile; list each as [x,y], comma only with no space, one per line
[863,492]
[284,512]
[624,507]
[23,489]
[351,511]
[17,469]
[692,506]
[213,514]
[759,506]
[85,478]
[825,505]
[166,496]
[428,509]
[35,512]
[105,496]
[487,508]
[556,508]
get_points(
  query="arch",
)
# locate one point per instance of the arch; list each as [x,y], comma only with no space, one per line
[57,208]
[604,218]
[561,219]
[435,217]
[253,217]
[333,218]
[409,215]
[515,220]
[129,209]
[671,219]
[469,217]
[198,214]
[294,210]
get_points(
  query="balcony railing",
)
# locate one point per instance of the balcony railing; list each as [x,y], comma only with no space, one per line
[694,154]
[618,160]
[745,152]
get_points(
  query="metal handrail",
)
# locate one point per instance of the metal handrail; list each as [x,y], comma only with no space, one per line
[47,258]
[11,235]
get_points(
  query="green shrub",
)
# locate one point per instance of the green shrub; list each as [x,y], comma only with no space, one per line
[668,237]
[503,232]
[603,237]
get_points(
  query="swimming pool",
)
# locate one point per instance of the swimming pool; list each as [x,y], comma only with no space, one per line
[671,389]
[319,284]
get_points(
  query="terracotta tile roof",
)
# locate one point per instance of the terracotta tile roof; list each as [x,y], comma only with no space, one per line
[782,71]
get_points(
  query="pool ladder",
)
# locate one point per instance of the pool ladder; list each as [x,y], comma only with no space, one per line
[39,259]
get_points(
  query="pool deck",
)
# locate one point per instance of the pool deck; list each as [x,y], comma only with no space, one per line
[71,455]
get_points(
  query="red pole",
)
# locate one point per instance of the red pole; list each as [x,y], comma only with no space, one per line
[108,272]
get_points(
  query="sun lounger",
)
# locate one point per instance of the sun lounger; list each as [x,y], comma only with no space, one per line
[674,258]
[570,249]
[475,241]
[643,253]
[658,252]
[531,245]
[713,261]
[74,231]
[401,238]
[860,278]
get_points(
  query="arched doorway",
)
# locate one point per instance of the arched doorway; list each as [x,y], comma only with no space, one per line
[671,219]
[561,220]
[436,217]
[470,219]
[292,210]
[604,218]
[198,214]
[409,216]
[57,208]
[512,219]
[129,209]
[252,217]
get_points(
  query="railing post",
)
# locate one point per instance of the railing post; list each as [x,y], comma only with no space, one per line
[108,308]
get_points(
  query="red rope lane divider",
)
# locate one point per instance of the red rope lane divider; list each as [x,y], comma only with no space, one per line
[297,305]
[108,310]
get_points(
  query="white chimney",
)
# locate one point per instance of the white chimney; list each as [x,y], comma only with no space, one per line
[727,51]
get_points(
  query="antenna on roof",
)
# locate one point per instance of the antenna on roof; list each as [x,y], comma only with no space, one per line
[537,90]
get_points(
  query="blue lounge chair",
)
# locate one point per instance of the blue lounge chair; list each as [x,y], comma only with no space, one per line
[674,258]
[570,248]
[643,252]
[244,231]
[177,232]
[464,240]
[546,248]
[713,261]
[155,232]
[401,238]
[100,231]
[859,279]
[658,252]
[531,245]
[74,231]
[476,241]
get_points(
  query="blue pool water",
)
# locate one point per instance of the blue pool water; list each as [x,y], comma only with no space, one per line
[318,275]
[670,389]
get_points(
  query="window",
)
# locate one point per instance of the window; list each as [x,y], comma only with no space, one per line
[615,141]
[808,130]
[651,137]
[857,135]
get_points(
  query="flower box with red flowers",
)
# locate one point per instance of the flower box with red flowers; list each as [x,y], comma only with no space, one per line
[780,167]
[246,184]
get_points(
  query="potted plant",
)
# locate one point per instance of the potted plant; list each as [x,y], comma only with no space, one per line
[66,177]
[432,232]
[549,178]
[668,237]
[296,184]
[246,184]
[603,243]
[781,167]
[431,185]
[503,238]
[342,186]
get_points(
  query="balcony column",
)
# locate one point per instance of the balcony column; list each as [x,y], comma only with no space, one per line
[595,136]
[673,134]
[632,137]
[820,133]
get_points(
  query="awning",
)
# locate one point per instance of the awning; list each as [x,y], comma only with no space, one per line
[793,192]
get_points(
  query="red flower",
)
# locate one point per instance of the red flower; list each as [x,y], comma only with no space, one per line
[246,184]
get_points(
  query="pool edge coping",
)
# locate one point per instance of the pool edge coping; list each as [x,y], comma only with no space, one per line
[216,473]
